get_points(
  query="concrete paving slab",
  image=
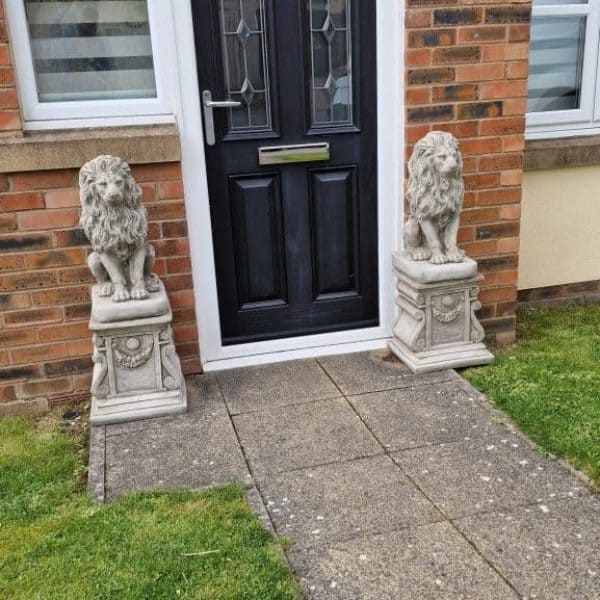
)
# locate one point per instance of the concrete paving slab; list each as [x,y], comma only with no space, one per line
[205,402]
[303,435]
[419,416]
[279,384]
[548,552]
[373,372]
[339,501]
[483,475]
[182,455]
[431,562]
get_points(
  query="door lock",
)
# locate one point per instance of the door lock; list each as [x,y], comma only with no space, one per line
[208,105]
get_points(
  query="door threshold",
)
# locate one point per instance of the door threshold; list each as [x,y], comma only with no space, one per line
[284,355]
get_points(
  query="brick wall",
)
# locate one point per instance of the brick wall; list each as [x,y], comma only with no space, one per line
[467,74]
[10,117]
[45,344]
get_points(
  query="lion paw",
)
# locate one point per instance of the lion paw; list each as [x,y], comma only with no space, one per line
[106,289]
[139,292]
[121,294]
[438,259]
[420,253]
[455,255]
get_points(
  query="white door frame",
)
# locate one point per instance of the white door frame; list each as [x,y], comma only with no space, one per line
[390,107]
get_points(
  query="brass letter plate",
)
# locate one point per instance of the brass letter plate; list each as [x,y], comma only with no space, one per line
[277,155]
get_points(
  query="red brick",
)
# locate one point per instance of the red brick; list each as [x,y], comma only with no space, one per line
[156,172]
[70,331]
[182,299]
[8,223]
[17,337]
[455,93]
[418,18]
[61,296]
[481,34]
[514,177]
[499,52]
[517,70]
[9,98]
[61,198]
[23,281]
[170,190]
[45,387]
[502,126]
[7,393]
[481,146]
[55,258]
[185,333]
[499,196]
[507,277]
[13,202]
[13,262]
[81,347]
[14,300]
[174,229]
[10,120]
[32,317]
[42,180]
[510,212]
[431,38]
[501,162]
[161,211]
[416,96]
[455,55]
[503,89]
[429,76]
[38,353]
[182,264]
[508,246]
[480,72]
[7,76]
[48,219]
[421,57]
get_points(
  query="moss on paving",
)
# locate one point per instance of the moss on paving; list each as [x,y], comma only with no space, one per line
[549,382]
[57,543]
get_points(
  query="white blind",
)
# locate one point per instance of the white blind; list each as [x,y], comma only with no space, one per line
[91,49]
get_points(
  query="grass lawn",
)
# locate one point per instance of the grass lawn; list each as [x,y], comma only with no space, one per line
[57,543]
[549,383]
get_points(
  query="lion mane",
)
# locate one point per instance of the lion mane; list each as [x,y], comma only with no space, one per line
[430,195]
[112,230]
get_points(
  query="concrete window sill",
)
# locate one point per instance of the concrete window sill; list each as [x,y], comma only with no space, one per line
[563,152]
[43,151]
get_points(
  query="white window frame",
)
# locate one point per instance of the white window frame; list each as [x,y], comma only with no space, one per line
[89,113]
[586,118]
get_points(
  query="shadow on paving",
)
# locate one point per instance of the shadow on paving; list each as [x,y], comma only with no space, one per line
[389,484]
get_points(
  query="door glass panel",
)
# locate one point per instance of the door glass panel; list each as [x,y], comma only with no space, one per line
[331,53]
[556,63]
[245,61]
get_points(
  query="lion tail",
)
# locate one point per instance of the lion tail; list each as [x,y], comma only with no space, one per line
[411,234]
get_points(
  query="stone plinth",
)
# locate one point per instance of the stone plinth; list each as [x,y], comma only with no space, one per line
[137,374]
[437,327]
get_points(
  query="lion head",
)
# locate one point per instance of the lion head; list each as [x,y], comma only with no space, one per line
[112,216]
[435,187]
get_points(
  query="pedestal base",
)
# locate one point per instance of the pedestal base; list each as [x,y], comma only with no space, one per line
[437,327]
[137,374]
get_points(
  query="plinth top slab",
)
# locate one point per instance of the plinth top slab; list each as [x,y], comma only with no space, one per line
[104,310]
[425,272]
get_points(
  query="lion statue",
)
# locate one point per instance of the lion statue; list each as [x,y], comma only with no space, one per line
[115,222]
[435,197]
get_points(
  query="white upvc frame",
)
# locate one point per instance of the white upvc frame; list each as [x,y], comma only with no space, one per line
[559,123]
[390,102]
[90,113]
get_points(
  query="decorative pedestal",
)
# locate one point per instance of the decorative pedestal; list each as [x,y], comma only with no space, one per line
[437,327]
[137,374]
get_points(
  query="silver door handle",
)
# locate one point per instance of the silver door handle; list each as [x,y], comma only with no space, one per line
[209,123]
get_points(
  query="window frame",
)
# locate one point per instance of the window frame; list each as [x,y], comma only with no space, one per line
[559,123]
[88,113]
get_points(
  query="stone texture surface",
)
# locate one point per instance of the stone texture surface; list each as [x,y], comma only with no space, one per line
[425,272]
[487,474]
[281,384]
[468,512]
[547,551]
[432,562]
[372,372]
[303,435]
[339,501]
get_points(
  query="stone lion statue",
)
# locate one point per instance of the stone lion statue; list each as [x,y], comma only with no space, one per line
[115,222]
[435,197]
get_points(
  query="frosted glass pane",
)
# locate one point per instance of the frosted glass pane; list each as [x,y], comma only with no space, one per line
[555,63]
[91,50]
[331,74]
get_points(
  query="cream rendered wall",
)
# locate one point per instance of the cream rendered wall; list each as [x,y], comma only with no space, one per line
[560,227]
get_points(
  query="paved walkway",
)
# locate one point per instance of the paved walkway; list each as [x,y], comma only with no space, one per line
[391,485]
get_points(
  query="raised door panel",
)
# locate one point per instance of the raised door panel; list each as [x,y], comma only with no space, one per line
[334,229]
[258,241]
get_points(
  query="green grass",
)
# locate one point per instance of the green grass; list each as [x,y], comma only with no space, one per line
[549,383]
[57,543]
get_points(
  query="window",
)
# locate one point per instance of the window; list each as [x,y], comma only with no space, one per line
[563,89]
[82,60]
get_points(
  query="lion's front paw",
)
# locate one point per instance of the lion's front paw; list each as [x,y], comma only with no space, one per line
[438,258]
[121,294]
[420,253]
[106,289]
[455,255]
[138,291]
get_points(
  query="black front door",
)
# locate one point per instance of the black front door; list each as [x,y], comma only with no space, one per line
[292,170]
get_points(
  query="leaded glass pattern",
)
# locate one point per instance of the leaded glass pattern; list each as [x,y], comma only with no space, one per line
[246,62]
[331,50]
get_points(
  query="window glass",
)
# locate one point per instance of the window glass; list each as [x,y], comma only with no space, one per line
[91,49]
[556,63]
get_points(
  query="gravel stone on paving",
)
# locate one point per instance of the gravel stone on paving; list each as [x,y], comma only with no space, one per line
[338,501]
[280,384]
[373,372]
[303,435]
[431,562]
[548,551]
[428,414]
[483,475]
